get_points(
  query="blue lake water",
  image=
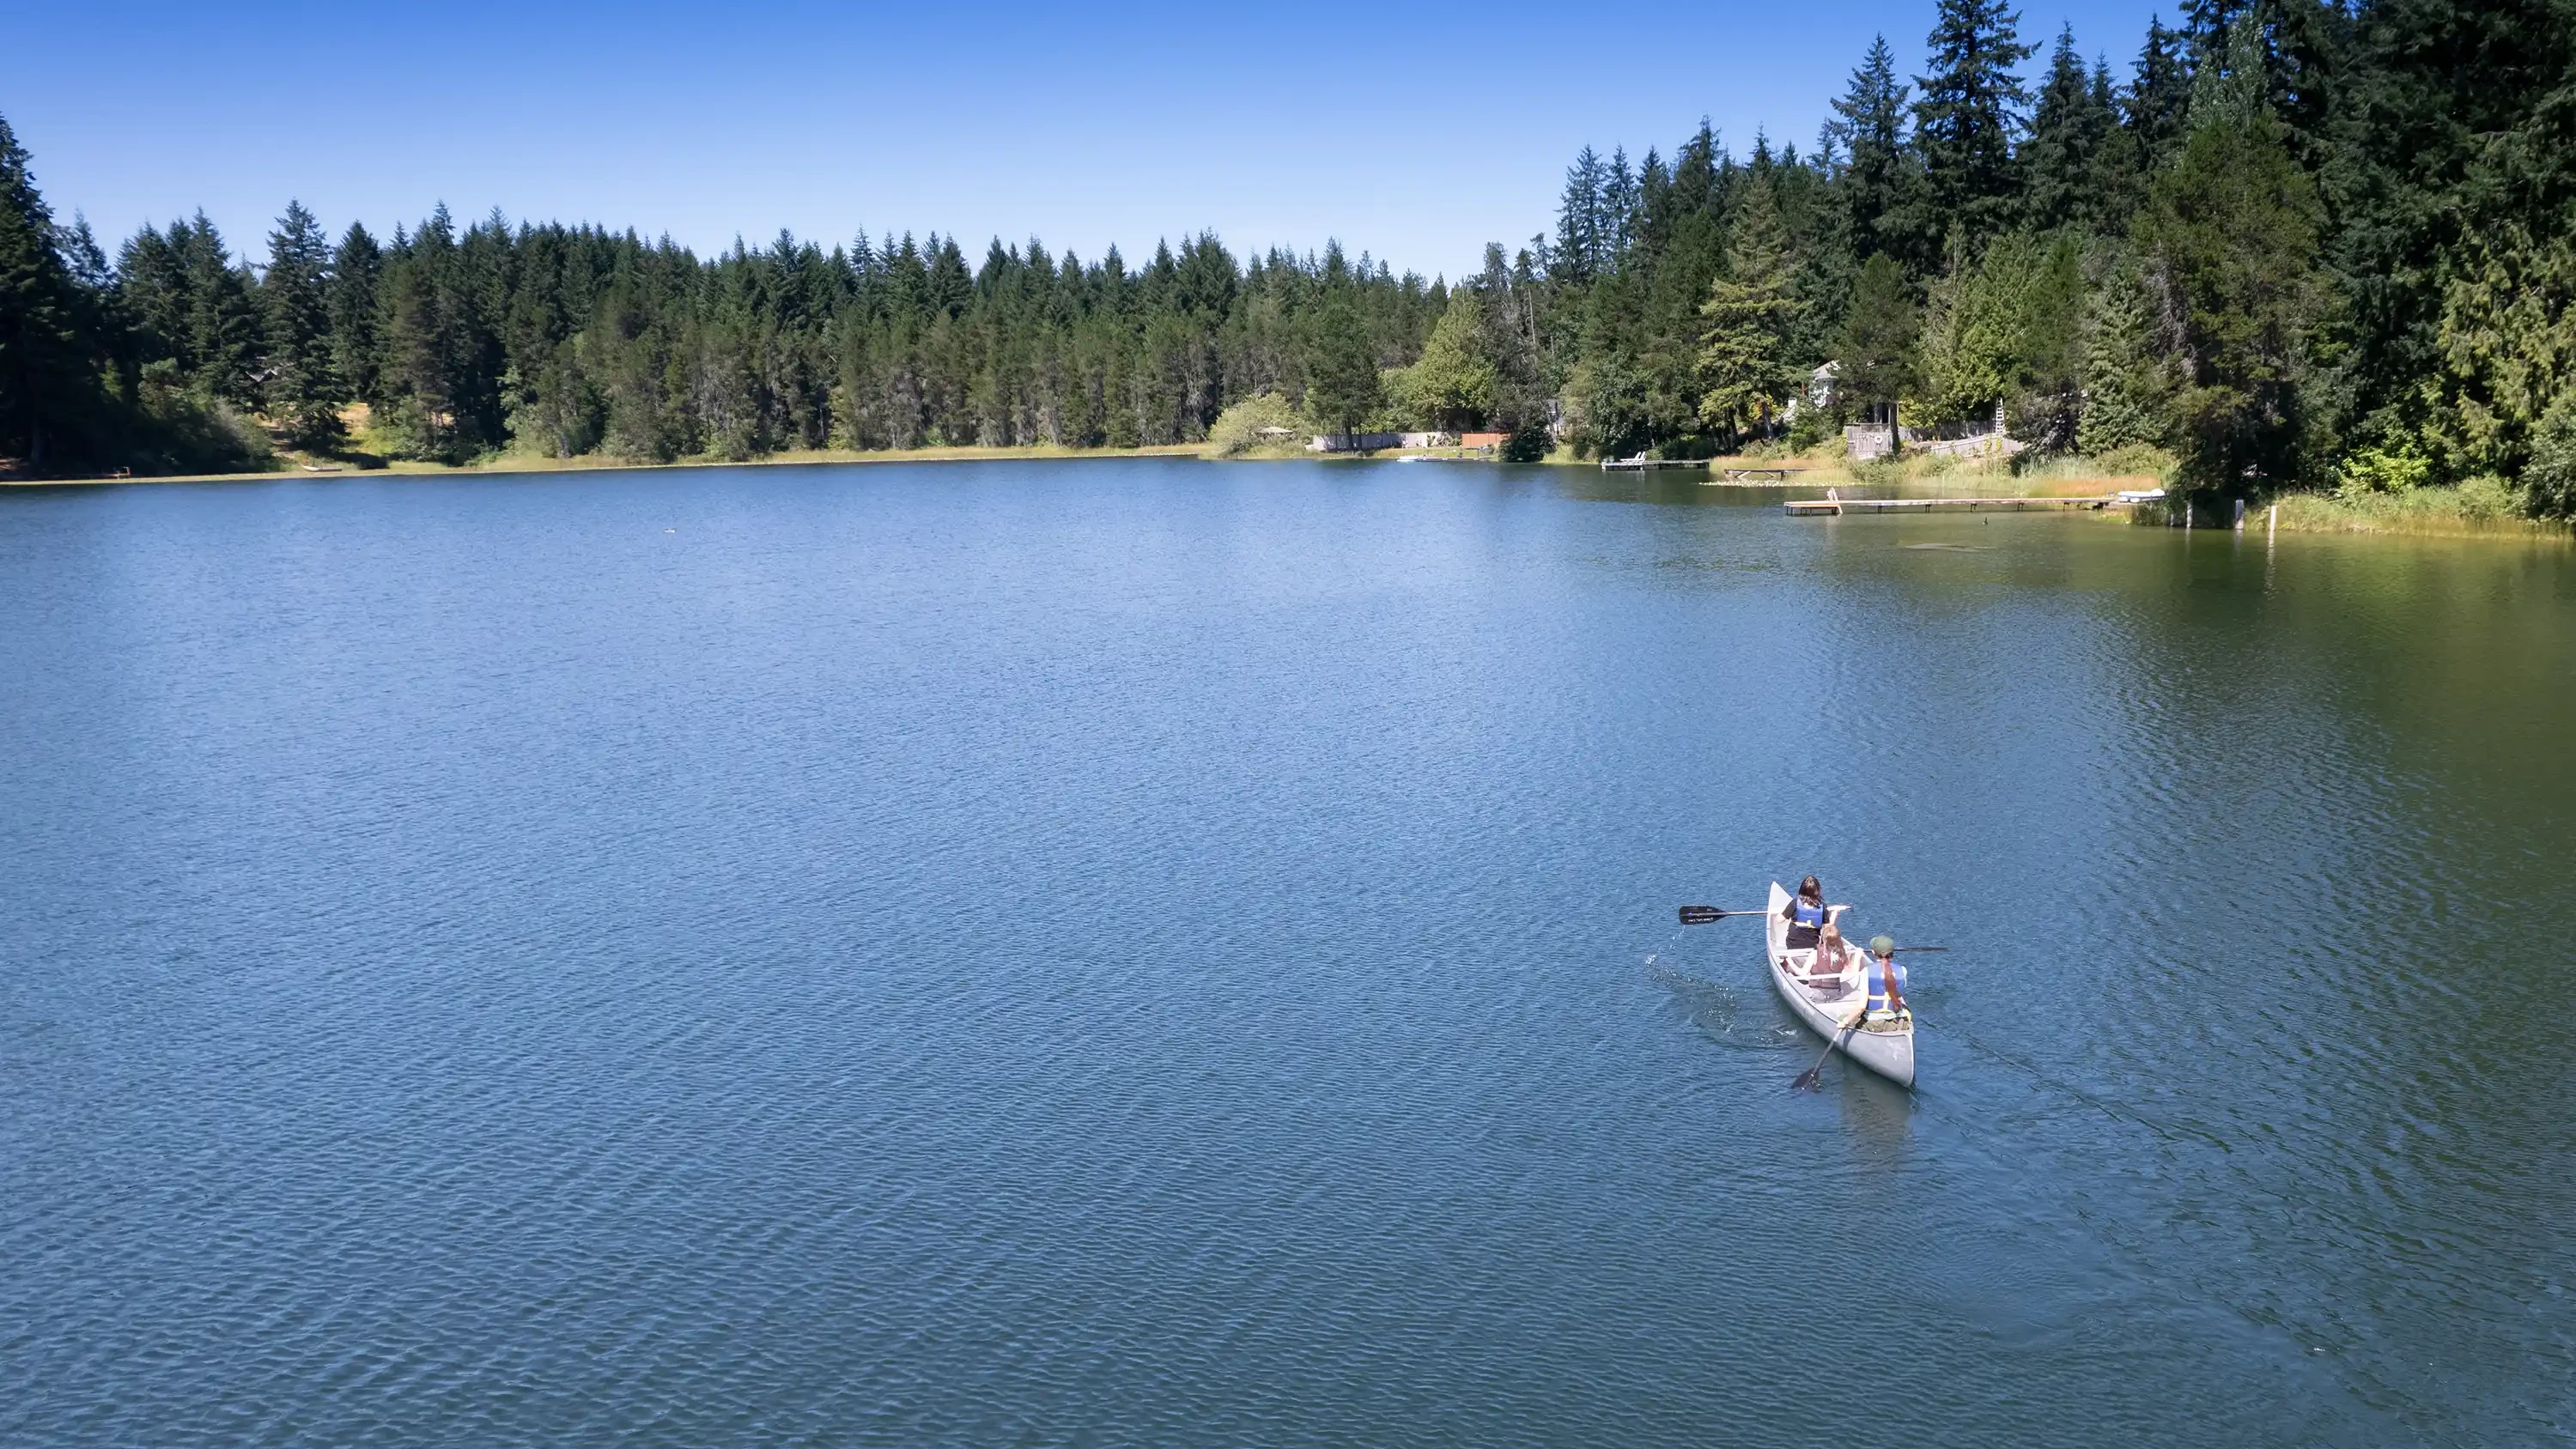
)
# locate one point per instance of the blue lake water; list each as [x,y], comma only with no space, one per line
[1118,952]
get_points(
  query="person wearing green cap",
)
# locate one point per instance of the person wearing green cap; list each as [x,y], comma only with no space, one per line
[1886,979]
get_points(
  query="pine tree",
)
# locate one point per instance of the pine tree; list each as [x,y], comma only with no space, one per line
[2231,238]
[1874,362]
[1579,241]
[1342,386]
[213,322]
[1452,385]
[1969,111]
[2157,107]
[356,270]
[303,388]
[422,381]
[1745,373]
[1620,201]
[47,366]
[2124,399]
[2068,128]
[1872,132]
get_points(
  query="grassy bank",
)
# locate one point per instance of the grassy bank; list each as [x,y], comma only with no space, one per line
[2468,511]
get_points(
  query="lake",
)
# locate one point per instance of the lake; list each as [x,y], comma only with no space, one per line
[1154,952]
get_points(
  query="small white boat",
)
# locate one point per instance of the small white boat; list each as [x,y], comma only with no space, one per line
[1827,1004]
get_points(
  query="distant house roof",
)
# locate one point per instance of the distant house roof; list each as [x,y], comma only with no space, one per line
[1827,373]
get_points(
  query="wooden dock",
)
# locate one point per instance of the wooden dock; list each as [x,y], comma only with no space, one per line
[1836,507]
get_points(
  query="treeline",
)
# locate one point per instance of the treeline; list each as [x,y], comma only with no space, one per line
[570,340]
[2295,242]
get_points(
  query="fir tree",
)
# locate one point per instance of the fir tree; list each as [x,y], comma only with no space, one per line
[2231,235]
[302,387]
[1453,385]
[213,320]
[1744,372]
[47,367]
[1620,200]
[1872,131]
[2068,127]
[2157,107]
[1968,112]
[1342,387]
[1874,361]
[2124,399]
[1579,243]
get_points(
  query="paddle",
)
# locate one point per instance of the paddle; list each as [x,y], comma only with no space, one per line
[1806,1080]
[1702,915]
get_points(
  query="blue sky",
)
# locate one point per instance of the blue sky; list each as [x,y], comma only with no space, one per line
[1415,131]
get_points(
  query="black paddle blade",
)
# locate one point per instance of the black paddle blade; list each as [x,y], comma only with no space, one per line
[1806,1080]
[1702,915]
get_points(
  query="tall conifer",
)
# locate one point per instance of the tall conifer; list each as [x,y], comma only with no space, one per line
[302,386]
[2067,131]
[1968,111]
[47,366]
[1872,131]
[1744,370]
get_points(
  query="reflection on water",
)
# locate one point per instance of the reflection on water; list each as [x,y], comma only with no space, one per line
[1153,950]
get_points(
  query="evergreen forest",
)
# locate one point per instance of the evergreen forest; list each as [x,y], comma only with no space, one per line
[2282,244]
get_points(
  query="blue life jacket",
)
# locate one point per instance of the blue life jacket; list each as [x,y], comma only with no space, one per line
[1878,973]
[1802,914]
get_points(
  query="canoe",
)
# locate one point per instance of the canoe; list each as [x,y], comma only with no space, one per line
[1827,1003]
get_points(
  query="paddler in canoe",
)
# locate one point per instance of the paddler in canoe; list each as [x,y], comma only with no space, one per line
[1886,982]
[1808,915]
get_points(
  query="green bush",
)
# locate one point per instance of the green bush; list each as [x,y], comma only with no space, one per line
[2486,496]
[2396,469]
[1237,430]
[2549,484]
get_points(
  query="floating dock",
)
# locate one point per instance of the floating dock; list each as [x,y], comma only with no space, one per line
[1650,465]
[1835,507]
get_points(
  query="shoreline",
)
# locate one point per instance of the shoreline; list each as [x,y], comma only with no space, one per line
[506,464]
[2431,512]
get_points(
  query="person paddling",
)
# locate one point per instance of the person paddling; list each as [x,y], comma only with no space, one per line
[1886,979]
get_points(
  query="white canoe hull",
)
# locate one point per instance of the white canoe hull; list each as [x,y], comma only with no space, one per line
[1827,1006]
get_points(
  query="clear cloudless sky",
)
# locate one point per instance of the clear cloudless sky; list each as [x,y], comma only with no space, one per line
[1417,132]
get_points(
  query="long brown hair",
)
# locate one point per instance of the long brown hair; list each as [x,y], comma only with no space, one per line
[1812,889]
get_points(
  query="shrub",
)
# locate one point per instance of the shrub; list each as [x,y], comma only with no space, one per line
[2395,469]
[1237,430]
[2549,484]
[2486,496]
